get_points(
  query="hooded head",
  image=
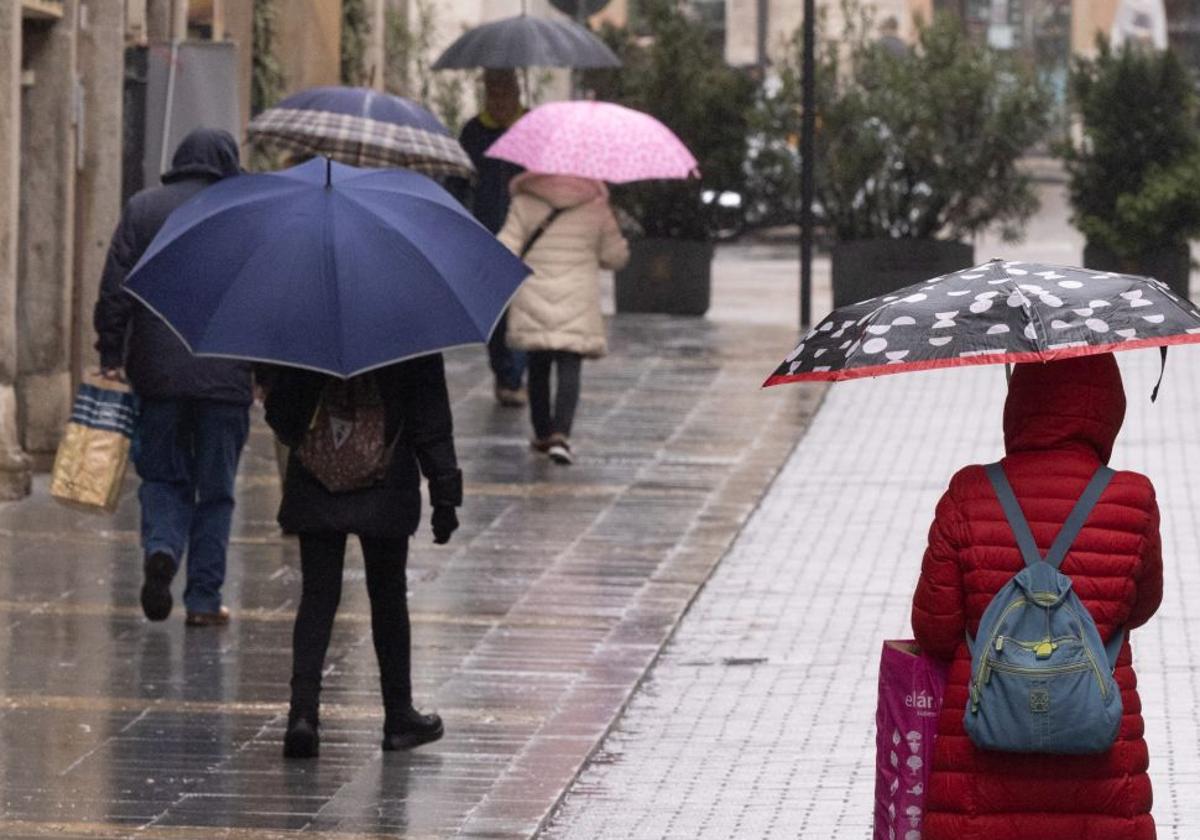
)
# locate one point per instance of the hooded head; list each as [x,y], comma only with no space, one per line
[205,153]
[563,191]
[1072,403]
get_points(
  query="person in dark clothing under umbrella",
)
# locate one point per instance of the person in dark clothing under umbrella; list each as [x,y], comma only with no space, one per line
[194,414]
[489,203]
[419,430]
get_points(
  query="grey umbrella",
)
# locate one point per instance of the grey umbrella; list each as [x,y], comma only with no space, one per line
[527,41]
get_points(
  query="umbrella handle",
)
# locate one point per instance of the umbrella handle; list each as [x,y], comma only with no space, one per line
[1161,373]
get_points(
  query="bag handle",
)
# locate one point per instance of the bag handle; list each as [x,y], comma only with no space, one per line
[554,213]
[1066,537]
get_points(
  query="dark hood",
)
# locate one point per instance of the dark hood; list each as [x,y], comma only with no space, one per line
[1064,404]
[205,153]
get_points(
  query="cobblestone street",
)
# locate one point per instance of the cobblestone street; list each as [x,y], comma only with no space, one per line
[531,628]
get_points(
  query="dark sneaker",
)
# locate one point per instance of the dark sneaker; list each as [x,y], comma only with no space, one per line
[541,445]
[301,739]
[157,570]
[560,452]
[205,619]
[511,397]
[411,730]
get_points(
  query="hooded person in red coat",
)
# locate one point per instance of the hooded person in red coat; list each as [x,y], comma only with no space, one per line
[1060,422]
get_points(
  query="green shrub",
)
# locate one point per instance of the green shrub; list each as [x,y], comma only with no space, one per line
[1135,174]
[356,29]
[675,74]
[408,63]
[266,76]
[923,145]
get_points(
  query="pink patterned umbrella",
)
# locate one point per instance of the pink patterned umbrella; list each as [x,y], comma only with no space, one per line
[595,140]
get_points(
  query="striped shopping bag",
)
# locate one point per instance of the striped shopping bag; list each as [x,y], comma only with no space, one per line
[94,453]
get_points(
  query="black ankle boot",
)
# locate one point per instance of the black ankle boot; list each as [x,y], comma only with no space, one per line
[302,739]
[409,728]
[157,571]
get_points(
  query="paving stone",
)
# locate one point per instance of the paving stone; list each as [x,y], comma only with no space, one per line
[757,720]
[530,630]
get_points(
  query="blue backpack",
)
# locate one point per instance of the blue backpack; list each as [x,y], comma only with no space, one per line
[1041,678]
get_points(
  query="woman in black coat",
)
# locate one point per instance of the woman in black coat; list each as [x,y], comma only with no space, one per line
[383,517]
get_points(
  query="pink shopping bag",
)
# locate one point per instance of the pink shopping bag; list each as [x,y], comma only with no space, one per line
[910,697]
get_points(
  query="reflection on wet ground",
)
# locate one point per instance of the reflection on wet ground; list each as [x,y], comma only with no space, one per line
[531,628]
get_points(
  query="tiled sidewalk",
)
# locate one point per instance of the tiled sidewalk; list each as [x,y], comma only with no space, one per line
[530,629]
[758,719]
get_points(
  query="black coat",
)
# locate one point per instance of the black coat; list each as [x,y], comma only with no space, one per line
[488,198]
[129,335]
[418,408]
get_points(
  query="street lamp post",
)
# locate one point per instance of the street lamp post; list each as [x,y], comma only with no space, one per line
[808,126]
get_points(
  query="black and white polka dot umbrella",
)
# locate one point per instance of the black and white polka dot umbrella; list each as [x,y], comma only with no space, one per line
[994,313]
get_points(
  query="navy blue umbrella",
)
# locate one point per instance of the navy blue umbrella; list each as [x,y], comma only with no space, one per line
[326,267]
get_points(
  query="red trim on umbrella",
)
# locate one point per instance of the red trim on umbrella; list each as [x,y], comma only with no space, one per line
[983,359]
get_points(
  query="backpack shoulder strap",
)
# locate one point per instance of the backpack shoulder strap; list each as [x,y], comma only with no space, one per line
[1079,515]
[555,212]
[1070,530]
[1012,512]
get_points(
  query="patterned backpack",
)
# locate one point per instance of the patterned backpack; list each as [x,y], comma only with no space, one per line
[346,447]
[1041,678]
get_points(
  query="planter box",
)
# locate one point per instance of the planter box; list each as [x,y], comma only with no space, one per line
[1170,264]
[867,268]
[667,276]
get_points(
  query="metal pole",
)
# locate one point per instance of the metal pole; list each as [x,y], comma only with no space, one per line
[581,19]
[764,24]
[808,130]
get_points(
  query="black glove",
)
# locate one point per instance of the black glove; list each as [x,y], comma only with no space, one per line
[445,523]
[446,489]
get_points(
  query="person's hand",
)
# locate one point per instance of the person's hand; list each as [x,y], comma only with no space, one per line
[445,523]
[113,374]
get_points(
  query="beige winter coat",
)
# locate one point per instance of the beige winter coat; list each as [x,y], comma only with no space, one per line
[558,306]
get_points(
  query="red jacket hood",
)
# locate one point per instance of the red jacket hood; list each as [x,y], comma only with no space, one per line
[1065,404]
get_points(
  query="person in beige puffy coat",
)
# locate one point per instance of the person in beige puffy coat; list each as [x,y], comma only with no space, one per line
[555,315]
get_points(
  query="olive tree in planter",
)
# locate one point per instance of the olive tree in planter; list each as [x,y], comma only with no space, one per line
[1135,174]
[916,153]
[671,70]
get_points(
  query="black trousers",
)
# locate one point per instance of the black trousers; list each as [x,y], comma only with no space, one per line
[322,557]
[545,421]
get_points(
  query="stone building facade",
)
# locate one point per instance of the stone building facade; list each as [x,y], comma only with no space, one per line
[62,78]
[61,69]
[753,26]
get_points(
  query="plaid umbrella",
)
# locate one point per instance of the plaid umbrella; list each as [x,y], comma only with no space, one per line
[362,127]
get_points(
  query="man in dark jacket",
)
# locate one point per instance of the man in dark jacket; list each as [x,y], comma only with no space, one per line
[489,202]
[194,412]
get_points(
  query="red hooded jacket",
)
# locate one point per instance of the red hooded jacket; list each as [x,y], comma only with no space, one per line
[1060,422]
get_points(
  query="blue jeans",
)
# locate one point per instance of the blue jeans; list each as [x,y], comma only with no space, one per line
[187,454]
[508,365]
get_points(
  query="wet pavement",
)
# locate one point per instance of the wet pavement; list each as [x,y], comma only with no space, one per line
[757,721]
[531,629]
